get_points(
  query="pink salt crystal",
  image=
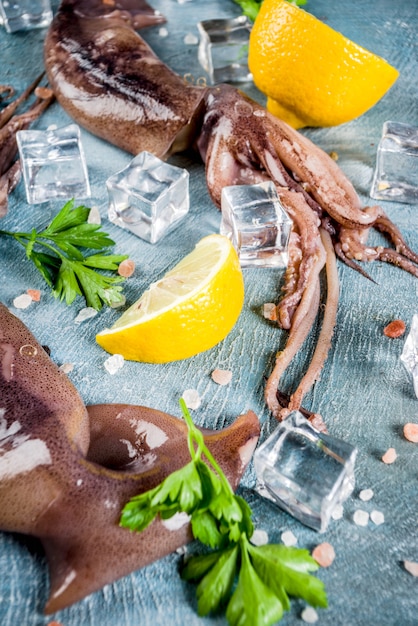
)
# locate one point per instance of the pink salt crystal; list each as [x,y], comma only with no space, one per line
[126,268]
[270,311]
[35,294]
[222,377]
[389,456]
[324,554]
[411,567]
[410,432]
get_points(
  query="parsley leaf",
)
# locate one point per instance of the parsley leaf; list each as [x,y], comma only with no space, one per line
[58,254]
[214,589]
[242,609]
[221,520]
[250,8]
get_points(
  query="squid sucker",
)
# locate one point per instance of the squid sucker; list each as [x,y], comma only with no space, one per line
[110,81]
[66,471]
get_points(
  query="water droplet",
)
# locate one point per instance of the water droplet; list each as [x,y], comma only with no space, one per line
[28,350]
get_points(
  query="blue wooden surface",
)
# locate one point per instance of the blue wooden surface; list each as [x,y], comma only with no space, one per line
[364,393]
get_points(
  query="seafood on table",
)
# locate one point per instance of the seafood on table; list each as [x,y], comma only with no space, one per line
[111,82]
[11,121]
[67,470]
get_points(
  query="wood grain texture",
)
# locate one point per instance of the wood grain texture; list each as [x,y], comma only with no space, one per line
[364,394]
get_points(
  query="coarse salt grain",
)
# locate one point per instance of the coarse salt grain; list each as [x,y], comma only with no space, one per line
[176,521]
[22,301]
[67,367]
[324,554]
[360,517]
[288,538]
[309,615]
[411,567]
[94,216]
[190,40]
[389,456]
[270,311]
[410,432]
[35,294]
[114,363]
[222,377]
[377,517]
[366,494]
[259,537]
[85,314]
[192,399]
[163,32]
[126,268]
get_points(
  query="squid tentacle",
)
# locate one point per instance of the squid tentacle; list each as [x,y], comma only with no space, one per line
[302,323]
[323,344]
[8,111]
[385,225]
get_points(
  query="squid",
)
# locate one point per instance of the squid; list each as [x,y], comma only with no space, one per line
[67,470]
[110,81]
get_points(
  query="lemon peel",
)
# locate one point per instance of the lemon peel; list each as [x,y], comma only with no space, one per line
[191,309]
[312,74]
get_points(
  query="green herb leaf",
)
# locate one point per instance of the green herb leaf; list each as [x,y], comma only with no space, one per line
[221,519]
[215,588]
[137,513]
[250,8]
[253,603]
[289,567]
[67,218]
[182,487]
[197,566]
[58,253]
[206,529]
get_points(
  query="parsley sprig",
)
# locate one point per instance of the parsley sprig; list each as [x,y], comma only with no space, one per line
[59,254]
[250,8]
[252,582]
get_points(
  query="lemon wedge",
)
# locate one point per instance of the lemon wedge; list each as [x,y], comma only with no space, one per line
[191,309]
[312,74]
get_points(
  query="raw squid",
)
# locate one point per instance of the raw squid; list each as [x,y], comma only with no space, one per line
[66,470]
[110,81]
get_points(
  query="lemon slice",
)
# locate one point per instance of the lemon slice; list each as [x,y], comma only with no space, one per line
[191,309]
[312,74]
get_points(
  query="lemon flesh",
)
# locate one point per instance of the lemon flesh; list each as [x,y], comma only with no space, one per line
[312,74]
[191,309]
